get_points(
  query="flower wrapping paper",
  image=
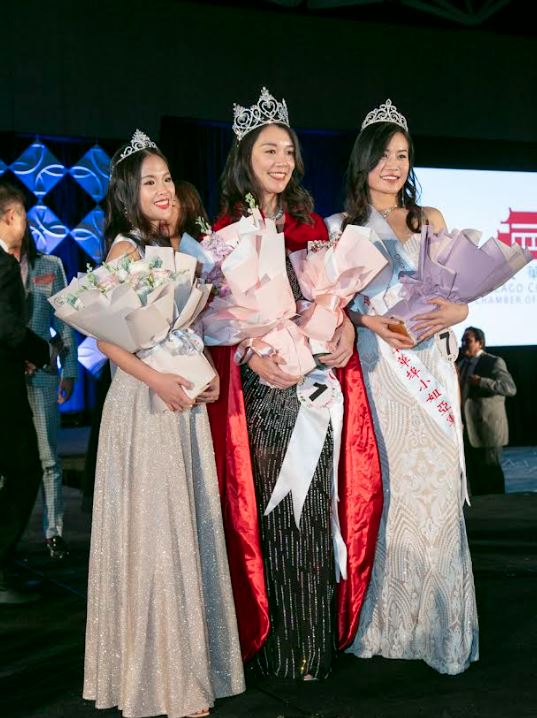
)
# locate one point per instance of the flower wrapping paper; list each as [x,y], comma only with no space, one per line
[330,274]
[254,307]
[145,307]
[453,266]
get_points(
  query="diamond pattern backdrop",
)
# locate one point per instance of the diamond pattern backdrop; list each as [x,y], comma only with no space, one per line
[64,180]
[39,170]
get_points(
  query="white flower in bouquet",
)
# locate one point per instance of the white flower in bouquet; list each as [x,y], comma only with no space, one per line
[145,307]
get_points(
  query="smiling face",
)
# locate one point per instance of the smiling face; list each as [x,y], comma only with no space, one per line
[157,190]
[391,171]
[272,161]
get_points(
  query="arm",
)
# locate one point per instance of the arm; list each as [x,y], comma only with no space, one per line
[167,386]
[212,392]
[69,360]
[379,325]
[267,368]
[435,218]
[122,249]
[499,384]
[342,345]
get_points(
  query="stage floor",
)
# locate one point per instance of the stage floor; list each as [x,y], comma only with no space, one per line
[41,645]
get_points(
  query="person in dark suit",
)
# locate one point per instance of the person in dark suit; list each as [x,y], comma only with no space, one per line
[20,467]
[485,382]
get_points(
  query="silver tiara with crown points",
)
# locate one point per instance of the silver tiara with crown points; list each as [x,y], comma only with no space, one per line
[385,113]
[267,110]
[140,141]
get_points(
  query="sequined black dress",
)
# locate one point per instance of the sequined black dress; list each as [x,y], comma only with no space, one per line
[299,564]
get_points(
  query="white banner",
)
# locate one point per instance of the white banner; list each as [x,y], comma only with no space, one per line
[321,403]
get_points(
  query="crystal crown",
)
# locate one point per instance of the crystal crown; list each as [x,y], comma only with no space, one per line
[140,141]
[267,110]
[385,113]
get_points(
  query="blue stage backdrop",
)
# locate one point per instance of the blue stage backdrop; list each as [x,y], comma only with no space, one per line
[65,181]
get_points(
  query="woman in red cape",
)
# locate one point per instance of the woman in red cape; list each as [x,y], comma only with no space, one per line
[284,578]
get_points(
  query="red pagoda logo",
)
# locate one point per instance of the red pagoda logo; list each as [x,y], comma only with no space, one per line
[521,229]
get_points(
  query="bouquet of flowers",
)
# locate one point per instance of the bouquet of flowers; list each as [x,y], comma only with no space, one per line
[453,266]
[254,305]
[330,274]
[145,307]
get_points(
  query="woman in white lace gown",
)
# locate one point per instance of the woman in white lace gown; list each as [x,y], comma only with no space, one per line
[420,603]
[161,632]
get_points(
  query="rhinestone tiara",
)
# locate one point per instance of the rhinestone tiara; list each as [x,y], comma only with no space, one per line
[267,110]
[140,141]
[385,113]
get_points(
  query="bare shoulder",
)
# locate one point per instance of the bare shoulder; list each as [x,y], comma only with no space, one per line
[435,217]
[122,248]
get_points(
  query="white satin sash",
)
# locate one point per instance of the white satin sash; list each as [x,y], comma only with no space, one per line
[430,395]
[321,403]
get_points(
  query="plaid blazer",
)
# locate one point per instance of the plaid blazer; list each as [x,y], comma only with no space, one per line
[45,278]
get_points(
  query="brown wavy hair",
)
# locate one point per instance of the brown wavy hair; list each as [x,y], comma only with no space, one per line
[238,180]
[190,209]
[368,149]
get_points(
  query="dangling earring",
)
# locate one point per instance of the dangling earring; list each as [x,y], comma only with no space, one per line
[403,198]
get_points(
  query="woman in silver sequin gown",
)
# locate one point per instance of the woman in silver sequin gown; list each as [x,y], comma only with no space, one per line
[421,600]
[161,631]
[298,562]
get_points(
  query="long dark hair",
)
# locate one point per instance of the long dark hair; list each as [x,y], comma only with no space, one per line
[190,209]
[123,212]
[368,149]
[238,180]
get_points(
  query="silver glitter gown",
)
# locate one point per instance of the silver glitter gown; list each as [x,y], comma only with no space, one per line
[161,632]
[420,603]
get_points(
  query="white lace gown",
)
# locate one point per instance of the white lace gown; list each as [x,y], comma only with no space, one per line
[420,603]
[161,633]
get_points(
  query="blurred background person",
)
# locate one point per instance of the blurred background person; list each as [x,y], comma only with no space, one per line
[43,276]
[187,210]
[484,382]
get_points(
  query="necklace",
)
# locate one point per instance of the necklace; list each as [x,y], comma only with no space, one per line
[386,212]
[275,216]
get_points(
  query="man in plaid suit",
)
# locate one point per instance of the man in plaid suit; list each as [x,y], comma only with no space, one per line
[20,468]
[43,275]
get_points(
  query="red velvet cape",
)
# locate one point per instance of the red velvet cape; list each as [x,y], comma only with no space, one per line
[360,487]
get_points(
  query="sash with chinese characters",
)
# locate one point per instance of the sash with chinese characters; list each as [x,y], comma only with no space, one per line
[430,394]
